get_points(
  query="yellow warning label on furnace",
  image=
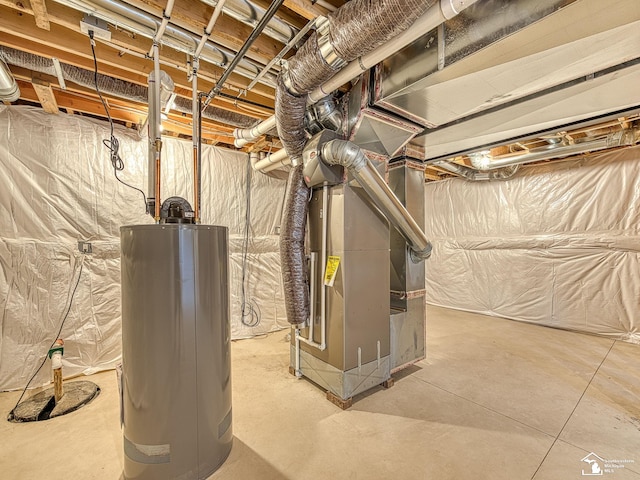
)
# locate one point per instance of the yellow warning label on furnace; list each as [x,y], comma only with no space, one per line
[332,269]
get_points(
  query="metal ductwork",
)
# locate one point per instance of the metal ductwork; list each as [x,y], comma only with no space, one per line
[430,19]
[349,155]
[507,69]
[9,91]
[484,161]
[473,174]
[353,30]
[114,86]
[146,24]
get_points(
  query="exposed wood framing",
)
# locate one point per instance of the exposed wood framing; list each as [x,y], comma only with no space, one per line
[45,94]
[305,8]
[40,13]
[124,111]
[126,53]
[431,174]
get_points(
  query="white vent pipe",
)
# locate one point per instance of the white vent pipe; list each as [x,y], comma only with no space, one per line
[483,161]
[474,175]
[9,91]
[271,162]
[250,14]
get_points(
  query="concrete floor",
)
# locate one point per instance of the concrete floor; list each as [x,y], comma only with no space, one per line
[495,399]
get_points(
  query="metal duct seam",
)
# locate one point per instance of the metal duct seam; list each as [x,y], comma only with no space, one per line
[115,86]
[354,29]
[350,156]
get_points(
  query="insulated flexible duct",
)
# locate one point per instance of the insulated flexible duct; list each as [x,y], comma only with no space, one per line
[114,86]
[294,265]
[353,30]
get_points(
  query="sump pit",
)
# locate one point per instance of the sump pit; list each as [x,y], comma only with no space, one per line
[42,406]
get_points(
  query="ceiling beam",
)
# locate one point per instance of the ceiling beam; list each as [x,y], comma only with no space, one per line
[45,94]
[305,8]
[128,51]
[127,112]
[123,67]
[40,13]
[228,32]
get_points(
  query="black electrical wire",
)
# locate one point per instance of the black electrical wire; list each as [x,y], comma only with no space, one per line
[112,143]
[11,415]
[249,309]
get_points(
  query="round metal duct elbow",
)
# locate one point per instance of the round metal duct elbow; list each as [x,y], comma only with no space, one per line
[9,90]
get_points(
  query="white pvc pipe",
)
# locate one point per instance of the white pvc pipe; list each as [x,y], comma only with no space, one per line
[166,16]
[323,262]
[277,165]
[209,28]
[312,295]
[254,132]
[275,159]
[326,5]
[297,369]
[9,90]
[312,310]
[254,157]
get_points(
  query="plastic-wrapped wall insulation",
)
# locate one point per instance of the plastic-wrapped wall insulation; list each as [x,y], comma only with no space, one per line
[557,245]
[57,187]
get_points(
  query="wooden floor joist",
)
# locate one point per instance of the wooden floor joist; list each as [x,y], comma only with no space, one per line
[45,95]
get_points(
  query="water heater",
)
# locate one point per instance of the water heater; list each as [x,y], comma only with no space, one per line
[176,375]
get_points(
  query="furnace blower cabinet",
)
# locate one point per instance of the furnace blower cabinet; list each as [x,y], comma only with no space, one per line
[367,305]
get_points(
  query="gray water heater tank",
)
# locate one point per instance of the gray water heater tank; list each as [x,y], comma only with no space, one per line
[176,366]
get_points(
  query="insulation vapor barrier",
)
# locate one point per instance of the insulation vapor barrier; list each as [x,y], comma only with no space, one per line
[557,245]
[57,188]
